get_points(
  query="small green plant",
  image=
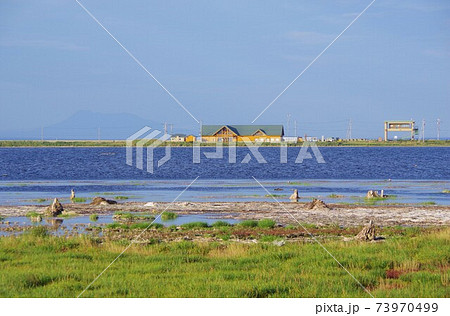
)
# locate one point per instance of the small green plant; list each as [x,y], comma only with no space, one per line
[156,226]
[248,223]
[121,197]
[428,203]
[32,214]
[79,200]
[116,225]
[140,225]
[39,231]
[266,223]
[335,196]
[194,225]
[224,237]
[221,224]
[123,215]
[167,216]
[67,214]
[299,183]
[275,195]
[268,238]
[93,217]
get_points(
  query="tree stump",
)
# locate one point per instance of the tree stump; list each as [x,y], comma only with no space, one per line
[294,196]
[316,204]
[372,194]
[55,209]
[367,233]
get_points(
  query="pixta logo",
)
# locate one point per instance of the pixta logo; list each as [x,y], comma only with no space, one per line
[145,138]
[141,139]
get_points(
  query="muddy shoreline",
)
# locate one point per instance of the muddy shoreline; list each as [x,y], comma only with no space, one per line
[283,213]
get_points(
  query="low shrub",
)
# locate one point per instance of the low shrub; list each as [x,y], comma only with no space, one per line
[93,217]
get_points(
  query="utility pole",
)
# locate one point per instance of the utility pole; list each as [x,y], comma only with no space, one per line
[438,122]
[288,123]
[349,130]
[423,130]
[165,128]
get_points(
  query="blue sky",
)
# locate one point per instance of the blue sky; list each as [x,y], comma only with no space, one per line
[226,61]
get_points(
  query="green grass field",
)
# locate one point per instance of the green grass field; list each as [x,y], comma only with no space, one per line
[37,265]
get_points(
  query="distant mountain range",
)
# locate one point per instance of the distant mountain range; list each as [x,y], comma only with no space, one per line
[88,125]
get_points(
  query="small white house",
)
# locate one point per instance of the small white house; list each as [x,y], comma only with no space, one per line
[178,138]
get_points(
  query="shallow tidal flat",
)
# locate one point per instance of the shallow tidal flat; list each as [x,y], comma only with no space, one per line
[335,214]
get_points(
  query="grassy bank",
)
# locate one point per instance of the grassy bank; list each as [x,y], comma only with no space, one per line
[411,265]
[122,143]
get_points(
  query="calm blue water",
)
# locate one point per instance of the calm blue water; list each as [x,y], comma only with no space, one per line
[416,175]
[421,163]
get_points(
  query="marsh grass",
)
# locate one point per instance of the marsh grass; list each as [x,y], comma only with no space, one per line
[79,200]
[121,197]
[299,183]
[248,223]
[140,225]
[266,223]
[68,214]
[93,217]
[167,216]
[194,225]
[33,214]
[227,269]
[130,217]
[221,224]
[276,195]
[335,196]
